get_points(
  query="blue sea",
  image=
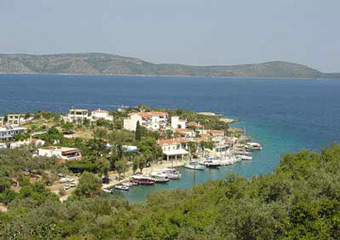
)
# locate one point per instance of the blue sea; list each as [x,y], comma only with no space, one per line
[284,115]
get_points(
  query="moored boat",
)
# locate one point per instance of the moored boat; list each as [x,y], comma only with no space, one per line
[122,187]
[143,180]
[160,177]
[211,163]
[194,165]
[245,157]
[172,173]
[253,146]
[107,190]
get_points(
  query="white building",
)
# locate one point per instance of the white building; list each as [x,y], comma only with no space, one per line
[77,115]
[174,148]
[8,133]
[15,119]
[34,141]
[177,123]
[187,133]
[63,153]
[101,114]
[197,127]
[149,120]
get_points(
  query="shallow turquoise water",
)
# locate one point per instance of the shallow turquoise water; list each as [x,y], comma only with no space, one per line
[283,115]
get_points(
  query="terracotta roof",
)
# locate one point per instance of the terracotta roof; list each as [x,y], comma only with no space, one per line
[179,130]
[215,132]
[100,111]
[149,114]
[159,113]
[195,124]
[172,141]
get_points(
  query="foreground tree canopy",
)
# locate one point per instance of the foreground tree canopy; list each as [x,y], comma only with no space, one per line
[300,200]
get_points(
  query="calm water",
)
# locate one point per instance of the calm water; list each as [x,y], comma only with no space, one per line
[284,115]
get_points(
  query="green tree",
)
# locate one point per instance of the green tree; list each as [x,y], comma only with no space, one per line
[121,167]
[103,165]
[138,135]
[89,185]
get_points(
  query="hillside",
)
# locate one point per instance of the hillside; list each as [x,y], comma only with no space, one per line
[99,63]
[299,200]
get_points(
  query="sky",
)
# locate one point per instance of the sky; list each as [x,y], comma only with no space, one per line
[195,32]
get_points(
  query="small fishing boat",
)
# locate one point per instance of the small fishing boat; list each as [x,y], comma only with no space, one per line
[172,173]
[194,165]
[122,187]
[160,177]
[143,180]
[107,190]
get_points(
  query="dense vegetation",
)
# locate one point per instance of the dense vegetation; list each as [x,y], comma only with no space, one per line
[300,200]
[99,63]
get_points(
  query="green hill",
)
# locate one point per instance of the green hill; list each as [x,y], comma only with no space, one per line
[99,63]
[299,200]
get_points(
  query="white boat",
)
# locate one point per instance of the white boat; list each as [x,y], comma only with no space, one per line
[130,184]
[122,187]
[107,190]
[194,166]
[172,173]
[226,161]
[245,157]
[243,153]
[211,163]
[143,180]
[253,146]
[160,177]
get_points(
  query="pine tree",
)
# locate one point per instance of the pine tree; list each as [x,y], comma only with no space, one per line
[138,132]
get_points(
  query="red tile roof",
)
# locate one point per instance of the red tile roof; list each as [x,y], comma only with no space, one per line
[195,124]
[172,141]
[100,111]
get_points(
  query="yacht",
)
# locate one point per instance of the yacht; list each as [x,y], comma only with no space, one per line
[143,180]
[253,146]
[172,173]
[225,161]
[160,177]
[211,163]
[194,165]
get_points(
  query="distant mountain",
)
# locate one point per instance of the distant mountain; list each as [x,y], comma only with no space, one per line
[100,63]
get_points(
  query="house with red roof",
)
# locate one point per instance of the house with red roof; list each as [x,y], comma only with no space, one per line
[150,120]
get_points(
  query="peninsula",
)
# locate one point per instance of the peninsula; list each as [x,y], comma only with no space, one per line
[107,64]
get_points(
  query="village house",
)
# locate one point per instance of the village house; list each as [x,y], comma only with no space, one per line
[187,133]
[63,153]
[174,148]
[15,119]
[34,141]
[101,114]
[177,123]
[150,120]
[216,135]
[9,132]
[77,115]
[196,126]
